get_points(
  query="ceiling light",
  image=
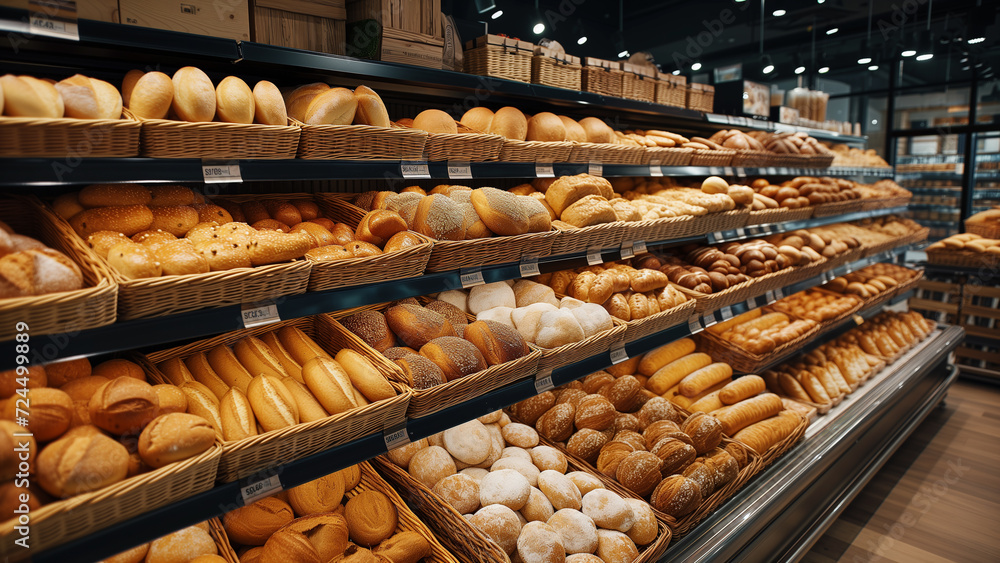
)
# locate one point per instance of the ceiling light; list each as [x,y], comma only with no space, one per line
[964,60]
[820,1]
[823,70]
[768,69]
[496,14]
[623,54]
[696,66]
[925,57]
[779,13]
[873,67]
[979,65]
[975,40]
[966,67]
[738,1]
[908,53]
[539,28]
[864,60]
[581,40]
[874,122]
[676,72]
[832,30]
[800,69]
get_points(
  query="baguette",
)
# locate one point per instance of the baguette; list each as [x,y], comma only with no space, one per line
[238,421]
[825,380]
[708,403]
[672,373]
[838,378]
[310,409]
[761,323]
[229,369]
[814,388]
[700,380]
[762,435]
[292,368]
[203,373]
[330,384]
[725,326]
[791,387]
[175,370]
[656,359]
[273,406]
[688,402]
[257,358]
[202,403]
[745,413]
[742,388]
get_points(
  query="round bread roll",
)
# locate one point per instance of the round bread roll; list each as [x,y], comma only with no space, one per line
[545,126]
[500,524]
[435,121]
[468,442]
[456,357]
[194,95]
[540,542]
[179,258]
[317,496]
[62,372]
[326,532]
[371,518]
[558,328]
[128,84]
[439,217]
[416,326]
[510,123]
[676,495]
[50,411]
[402,240]
[174,437]
[608,510]
[335,106]
[516,452]
[80,462]
[478,119]
[79,98]
[176,220]
[504,486]
[519,464]
[102,242]
[234,101]
[645,530]
[135,555]
[183,545]
[501,211]
[615,547]
[577,530]
[548,458]
[371,326]
[9,465]
[404,547]
[585,482]
[255,523]
[460,491]
[538,508]
[639,472]
[371,110]
[402,455]
[289,545]
[597,131]
[560,490]
[420,372]
[134,261]
[125,219]
[574,131]
[297,101]
[123,405]
[490,296]
[430,465]
[152,96]
[269,108]
[170,398]
[27,96]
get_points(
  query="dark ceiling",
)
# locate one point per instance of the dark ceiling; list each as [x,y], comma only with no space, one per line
[721,32]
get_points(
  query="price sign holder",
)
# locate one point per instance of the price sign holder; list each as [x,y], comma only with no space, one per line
[259,313]
[471,277]
[543,381]
[544,170]
[595,169]
[256,488]
[459,170]
[396,436]
[594,256]
[221,171]
[414,170]
[655,170]
[627,250]
[639,247]
[529,266]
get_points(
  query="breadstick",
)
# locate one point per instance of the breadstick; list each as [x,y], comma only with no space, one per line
[742,388]
[704,378]
[672,373]
[656,359]
[831,388]
[761,323]
[687,402]
[838,378]
[762,435]
[745,413]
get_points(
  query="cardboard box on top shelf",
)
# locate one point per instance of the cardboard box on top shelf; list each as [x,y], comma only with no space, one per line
[228,19]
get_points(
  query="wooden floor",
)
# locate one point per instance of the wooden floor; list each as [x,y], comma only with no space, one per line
[938,497]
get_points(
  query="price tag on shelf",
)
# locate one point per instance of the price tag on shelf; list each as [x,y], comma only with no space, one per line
[779,293]
[260,488]
[619,354]
[725,313]
[595,169]
[471,277]
[594,256]
[716,170]
[858,319]
[396,437]
[59,20]
[459,170]
[627,251]
[259,313]
[752,303]
[728,170]
[694,325]
[771,297]
[414,170]
[543,381]
[216,172]
[772,170]
[529,266]
[716,118]
[544,170]
[828,276]
[655,169]
[741,172]
[709,320]
[639,247]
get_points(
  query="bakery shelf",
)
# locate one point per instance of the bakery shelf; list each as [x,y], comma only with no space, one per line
[788,506]
[750,123]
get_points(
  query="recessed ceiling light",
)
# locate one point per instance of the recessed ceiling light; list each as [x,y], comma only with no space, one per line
[864,60]
[964,60]
[908,53]
[800,69]
[623,54]
[779,13]
[979,65]
[768,69]
[966,67]
[925,57]
[874,122]
[676,72]
[823,70]
[696,66]
[832,30]
[581,40]
[539,28]
[975,40]
[496,14]
[820,1]
[873,67]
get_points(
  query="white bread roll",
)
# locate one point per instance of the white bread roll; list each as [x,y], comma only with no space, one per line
[435,121]
[152,96]
[194,95]
[336,106]
[234,102]
[478,119]
[27,96]
[129,82]
[269,108]
[273,406]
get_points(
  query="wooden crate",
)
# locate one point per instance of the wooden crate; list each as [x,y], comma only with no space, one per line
[407,47]
[942,292]
[229,19]
[313,25]
[99,10]
[415,16]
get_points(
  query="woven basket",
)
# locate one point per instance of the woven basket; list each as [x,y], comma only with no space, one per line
[655,230]
[819,161]
[638,87]
[604,81]
[535,151]
[499,61]
[325,274]
[721,221]
[990,230]
[879,247]
[75,517]
[67,311]
[754,158]
[245,457]
[670,94]
[465,146]
[554,358]
[777,450]
[218,533]
[634,330]
[668,156]
[555,73]
[710,157]
[885,202]
[607,153]
[962,259]
[428,401]
[447,255]
[570,239]
[700,97]
[34,137]
[779,215]
[361,142]
[165,138]
[707,302]
[837,208]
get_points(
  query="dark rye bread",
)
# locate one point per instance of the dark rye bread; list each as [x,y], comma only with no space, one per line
[421,372]
[416,326]
[498,343]
[371,326]
[456,357]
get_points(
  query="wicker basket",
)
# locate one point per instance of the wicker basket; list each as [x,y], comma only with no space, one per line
[634,330]
[361,142]
[671,90]
[554,358]
[570,239]
[65,520]
[779,215]
[165,138]
[552,68]
[985,230]
[707,302]
[218,533]
[710,157]
[67,311]
[754,158]
[638,83]
[668,156]
[886,203]
[465,146]
[700,97]
[655,230]
[837,208]
[963,259]
[601,77]
[607,153]
[499,57]
[447,255]
[245,457]
[721,221]
[819,161]
[34,137]
[424,402]
[535,151]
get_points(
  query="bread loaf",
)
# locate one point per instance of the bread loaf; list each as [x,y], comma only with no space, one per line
[456,357]
[123,405]
[273,406]
[363,375]
[26,96]
[81,462]
[255,523]
[236,414]
[545,126]
[416,326]
[510,123]
[501,211]
[371,110]
[330,384]
[194,95]
[269,108]
[440,218]
[371,518]
[152,96]
[478,119]
[174,437]
[435,121]
[234,101]
[335,106]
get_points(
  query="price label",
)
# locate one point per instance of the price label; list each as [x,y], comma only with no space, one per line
[740,233]
[396,437]
[543,381]
[639,247]
[858,319]
[694,325]
[594,257]
[741,172]
[716,170]
[655,169]
[771,298]
[595,169]
[779,293]
[259,489]
[471,278]
[40,24]
[726,313]
[220,172]
[772,170]
[544,170]
[529,266]
[709,320]
[619,354]
[752,303]
[716,118]
[728,171]
[627,250]
[259,313]
[414,170]
[459,170]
